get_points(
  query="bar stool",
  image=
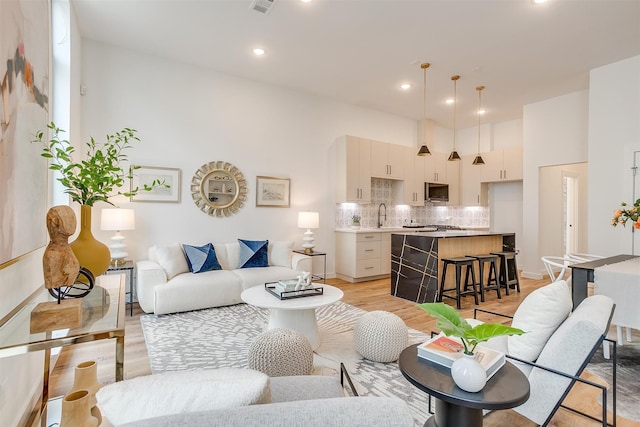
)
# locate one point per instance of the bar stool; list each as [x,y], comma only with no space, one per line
[492,276]
[459,263]
[508,271]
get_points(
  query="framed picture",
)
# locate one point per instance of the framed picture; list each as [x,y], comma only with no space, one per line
[164,184]
[272,192]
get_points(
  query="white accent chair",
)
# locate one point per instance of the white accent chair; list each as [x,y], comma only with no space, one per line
[564,355]
[558,267]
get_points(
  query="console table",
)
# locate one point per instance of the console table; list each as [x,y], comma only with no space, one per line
[103,313]
[455,407]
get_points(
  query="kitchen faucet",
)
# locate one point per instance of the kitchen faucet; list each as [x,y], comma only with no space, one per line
[385,214]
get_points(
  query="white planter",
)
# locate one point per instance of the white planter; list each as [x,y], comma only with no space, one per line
[468,374]
[355,227]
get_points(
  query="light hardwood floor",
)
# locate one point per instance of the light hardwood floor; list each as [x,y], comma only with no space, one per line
[372,295]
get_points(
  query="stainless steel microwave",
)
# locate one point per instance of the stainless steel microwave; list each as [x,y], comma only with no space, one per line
[436,192]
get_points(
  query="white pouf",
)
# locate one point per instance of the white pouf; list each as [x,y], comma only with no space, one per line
[380,336]
[281,352]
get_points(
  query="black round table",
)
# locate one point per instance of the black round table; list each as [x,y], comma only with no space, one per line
[455,407]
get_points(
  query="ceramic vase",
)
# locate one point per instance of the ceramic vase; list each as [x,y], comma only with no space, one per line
[86,378]
[91,253]
[76,411]
[468,373]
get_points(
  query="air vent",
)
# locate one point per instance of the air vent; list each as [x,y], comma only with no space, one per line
[262,6]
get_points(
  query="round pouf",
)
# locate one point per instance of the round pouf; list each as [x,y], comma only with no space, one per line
[281,352]
[380,336]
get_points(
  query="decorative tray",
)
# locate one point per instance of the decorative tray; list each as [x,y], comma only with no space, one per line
[271,288]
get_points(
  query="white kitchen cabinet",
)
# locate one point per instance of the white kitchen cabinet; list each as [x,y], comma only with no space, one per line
[502,165]
[435,167]
[387,160]
[363,256]
[413,189]
[453,179]
[353,170]
[472,192]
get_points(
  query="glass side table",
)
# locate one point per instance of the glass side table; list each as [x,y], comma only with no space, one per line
[313,254]
[128,267]
[103,313]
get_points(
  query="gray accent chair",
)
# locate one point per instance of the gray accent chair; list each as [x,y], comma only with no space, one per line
[564,358]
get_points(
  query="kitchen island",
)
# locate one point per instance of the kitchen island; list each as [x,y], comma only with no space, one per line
[416,265]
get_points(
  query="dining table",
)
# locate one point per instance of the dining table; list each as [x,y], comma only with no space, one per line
[584,272]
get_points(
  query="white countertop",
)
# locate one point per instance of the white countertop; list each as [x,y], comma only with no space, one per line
[469,231]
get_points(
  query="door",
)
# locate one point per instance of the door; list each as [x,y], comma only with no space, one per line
[570,209]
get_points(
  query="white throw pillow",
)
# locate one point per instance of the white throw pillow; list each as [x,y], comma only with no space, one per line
[172,260]
[280,253]
[539,315]
[182,391]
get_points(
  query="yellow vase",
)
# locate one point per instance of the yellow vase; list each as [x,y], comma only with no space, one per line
[91,253]
[86,378]
[76,411]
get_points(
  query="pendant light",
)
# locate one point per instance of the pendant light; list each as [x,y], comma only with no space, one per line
[454,154]
[479,160]
[424,150]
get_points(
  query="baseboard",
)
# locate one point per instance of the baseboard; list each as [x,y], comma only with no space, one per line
[530,275]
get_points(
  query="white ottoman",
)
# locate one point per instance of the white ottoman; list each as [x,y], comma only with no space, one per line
[380,336]
[281,352]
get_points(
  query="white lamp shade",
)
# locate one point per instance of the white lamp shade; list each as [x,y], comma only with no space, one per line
[308,220]
[117,219]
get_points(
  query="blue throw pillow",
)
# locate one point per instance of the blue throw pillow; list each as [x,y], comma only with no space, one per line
[201,258]
[253,253]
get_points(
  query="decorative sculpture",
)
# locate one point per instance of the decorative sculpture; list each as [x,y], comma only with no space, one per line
[59,263]
[304,281]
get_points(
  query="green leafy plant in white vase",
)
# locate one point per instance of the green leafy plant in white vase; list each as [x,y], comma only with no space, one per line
[452,324]
[467,373]
[355,221]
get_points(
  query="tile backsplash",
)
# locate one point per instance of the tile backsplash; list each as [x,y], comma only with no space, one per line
[398,215]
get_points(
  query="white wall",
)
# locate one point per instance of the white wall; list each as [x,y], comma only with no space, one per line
[554,133]
[614,134]
[188,116]
[551,208]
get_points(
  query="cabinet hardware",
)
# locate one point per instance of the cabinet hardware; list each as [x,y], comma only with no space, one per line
[368,237]
[368,250]
[368,268]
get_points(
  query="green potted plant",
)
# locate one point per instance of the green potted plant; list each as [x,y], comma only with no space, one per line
[467,373]
[87,181]
[355,221]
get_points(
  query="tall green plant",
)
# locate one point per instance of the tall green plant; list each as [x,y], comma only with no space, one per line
[95,178]
[451,323]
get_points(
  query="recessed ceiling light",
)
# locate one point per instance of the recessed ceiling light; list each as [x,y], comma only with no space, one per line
[482,112]
[450,101]
[405,86]
[538,1]
[259,51]
[305,1]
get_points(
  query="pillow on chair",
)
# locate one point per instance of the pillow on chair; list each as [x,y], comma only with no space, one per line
[182,391]
[539,315]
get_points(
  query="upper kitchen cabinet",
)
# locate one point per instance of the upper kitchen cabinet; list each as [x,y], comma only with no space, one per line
[414,178]
[502,165]
[472,192]
[453,179]
[387,160]
[353,170]
[435,167]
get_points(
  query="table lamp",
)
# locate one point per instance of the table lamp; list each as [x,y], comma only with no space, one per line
[117,220]
[308,220]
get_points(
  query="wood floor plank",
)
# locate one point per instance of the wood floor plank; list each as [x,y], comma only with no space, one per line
[369,296]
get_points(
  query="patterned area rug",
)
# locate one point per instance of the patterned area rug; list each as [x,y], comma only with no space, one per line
[220,337]
[627,374]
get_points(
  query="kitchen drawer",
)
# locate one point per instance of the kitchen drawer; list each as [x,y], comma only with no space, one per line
[368,237]
[367,250]
[367,267]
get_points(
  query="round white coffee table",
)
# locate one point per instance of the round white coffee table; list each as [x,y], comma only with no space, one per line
[295,313]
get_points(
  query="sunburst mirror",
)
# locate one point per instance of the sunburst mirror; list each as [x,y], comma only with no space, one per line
[219,189]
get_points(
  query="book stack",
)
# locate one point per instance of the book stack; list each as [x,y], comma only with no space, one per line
[445,350]
[286,286]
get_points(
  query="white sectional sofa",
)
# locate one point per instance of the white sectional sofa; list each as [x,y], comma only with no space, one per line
[165,283]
